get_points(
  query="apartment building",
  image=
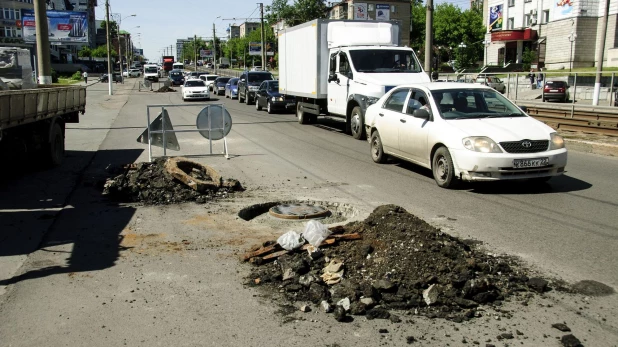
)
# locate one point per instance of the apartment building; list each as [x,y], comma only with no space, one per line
[562,33]
[376,10]
[247,27]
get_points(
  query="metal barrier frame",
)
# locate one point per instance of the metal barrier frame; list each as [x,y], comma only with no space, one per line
[163,131]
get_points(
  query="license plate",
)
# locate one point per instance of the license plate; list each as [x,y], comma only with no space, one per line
[524,163]
[554,90]
[290,104]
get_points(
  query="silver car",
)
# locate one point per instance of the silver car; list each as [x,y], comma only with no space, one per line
[492,82]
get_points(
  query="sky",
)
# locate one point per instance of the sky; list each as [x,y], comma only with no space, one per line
[161,22]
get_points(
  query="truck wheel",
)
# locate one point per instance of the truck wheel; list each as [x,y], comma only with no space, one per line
[302,117]
[443,169]
[357,123]
[54,151]
[377,151]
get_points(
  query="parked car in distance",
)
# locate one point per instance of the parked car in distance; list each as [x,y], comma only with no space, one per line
[219,85]
[268,96]
[135,73]
[231,88]
[463,132]
[492,82]
[125,73]
[256,68]
[195,89]
[176,77]
[105,77]
[556,90]
[209,65]
[249,84]
[208,79]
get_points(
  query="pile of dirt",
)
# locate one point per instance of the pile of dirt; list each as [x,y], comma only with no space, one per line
[165,89]
[150,183]
[401,263]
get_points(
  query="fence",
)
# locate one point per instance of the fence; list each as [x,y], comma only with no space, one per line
[518,86]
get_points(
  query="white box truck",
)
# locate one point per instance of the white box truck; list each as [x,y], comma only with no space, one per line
[340,67]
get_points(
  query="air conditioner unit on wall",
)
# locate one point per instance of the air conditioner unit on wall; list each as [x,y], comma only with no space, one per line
[533,12]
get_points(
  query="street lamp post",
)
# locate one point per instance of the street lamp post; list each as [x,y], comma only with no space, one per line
[126,50]
[572,38]
[486,43]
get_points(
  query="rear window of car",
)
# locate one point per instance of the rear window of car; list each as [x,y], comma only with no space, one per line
[259,77]
[223,80]
[211,78]
[557,84]
[175,74]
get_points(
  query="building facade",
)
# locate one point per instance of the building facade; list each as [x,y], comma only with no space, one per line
[180,43]
[247,27]
[376,10]
[233,32]
[10,18]
[560,33]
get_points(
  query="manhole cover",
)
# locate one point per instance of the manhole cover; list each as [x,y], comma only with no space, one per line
[298,211]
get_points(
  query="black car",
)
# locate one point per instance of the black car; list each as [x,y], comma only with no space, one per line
[115,78]
[176,77]
[268,96]
[249,84]
[219,85]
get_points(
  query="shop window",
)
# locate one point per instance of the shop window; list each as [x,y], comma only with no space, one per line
[511,23]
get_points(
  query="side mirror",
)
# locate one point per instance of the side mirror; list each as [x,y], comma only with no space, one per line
[420,113]
[332,77]
[524,108]
[242,79]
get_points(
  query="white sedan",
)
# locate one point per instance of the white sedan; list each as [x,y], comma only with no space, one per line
[463,132]
[195,89]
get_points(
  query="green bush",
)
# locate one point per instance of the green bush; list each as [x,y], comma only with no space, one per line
[54,76]
[77,76]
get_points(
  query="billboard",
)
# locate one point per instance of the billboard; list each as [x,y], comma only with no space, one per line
[205,53]
[360,11]
[563,9]
[383,12]
[138,51]
[495,18]
[255,48]
[64,27]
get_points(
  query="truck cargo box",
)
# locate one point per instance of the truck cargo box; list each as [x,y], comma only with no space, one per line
[303,50]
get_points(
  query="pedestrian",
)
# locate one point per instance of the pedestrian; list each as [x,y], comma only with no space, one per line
[85,76]
[539,80]
[531,76]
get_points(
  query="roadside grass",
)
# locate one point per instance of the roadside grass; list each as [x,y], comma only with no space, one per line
[66,81]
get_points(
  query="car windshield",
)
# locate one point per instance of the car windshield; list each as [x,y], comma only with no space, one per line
[151,70]
[384,60]
[195,83]
[222,80]
[234,81]
[259,77]
[474,103]
[273,87]
[211,78]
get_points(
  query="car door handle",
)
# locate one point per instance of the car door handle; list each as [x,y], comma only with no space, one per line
[381,114]
[402,120]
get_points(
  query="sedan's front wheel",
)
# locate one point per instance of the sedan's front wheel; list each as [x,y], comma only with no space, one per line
[443,169]
[257,105]
[377,151]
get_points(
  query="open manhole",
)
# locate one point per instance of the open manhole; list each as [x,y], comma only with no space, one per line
[290,211]
[298,211]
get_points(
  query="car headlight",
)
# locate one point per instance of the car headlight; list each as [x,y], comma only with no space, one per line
[481,144]
[371,100]
[557,142]
[280,98]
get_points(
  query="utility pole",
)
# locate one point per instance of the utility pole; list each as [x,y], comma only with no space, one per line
[262,35]
[429,37]
[214,48]
[597,80]
[110,72]
[195,51]
[42,42]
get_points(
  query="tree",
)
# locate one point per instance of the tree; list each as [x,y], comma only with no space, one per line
[279,10]
[85,51]
[527,58]
[101,52]
[302,11]
[419,16]
[113,27]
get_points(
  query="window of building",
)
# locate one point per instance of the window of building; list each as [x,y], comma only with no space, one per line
[511,23]
[393,8]
[511,3]
[527,0]
[546,16]
[528,20]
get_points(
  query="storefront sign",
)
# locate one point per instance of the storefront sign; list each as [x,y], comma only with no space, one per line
[514,35]
[360,11]
[64,27]
[495,18]
[9,23]
[383,12]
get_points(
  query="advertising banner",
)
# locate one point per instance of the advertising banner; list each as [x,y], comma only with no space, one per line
[206,53]
[64,27]
[383,12]
[495,18]
[255,48]
[563,9]
[360,11]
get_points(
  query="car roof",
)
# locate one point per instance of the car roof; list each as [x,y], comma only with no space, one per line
[445,85]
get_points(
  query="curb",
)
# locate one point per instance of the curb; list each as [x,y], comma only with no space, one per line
[592,147]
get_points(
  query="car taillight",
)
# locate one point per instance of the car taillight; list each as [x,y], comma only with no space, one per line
[547,87]
[561,90]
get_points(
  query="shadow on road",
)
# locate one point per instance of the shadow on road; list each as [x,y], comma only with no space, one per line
[560,184]
[48,219]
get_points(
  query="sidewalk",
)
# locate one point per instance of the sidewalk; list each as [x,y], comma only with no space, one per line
[591,143]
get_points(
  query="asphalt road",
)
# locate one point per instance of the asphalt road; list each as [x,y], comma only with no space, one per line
[76,267]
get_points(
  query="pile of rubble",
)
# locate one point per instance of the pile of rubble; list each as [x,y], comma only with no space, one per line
[165,89]
[391,261]
[169,181]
